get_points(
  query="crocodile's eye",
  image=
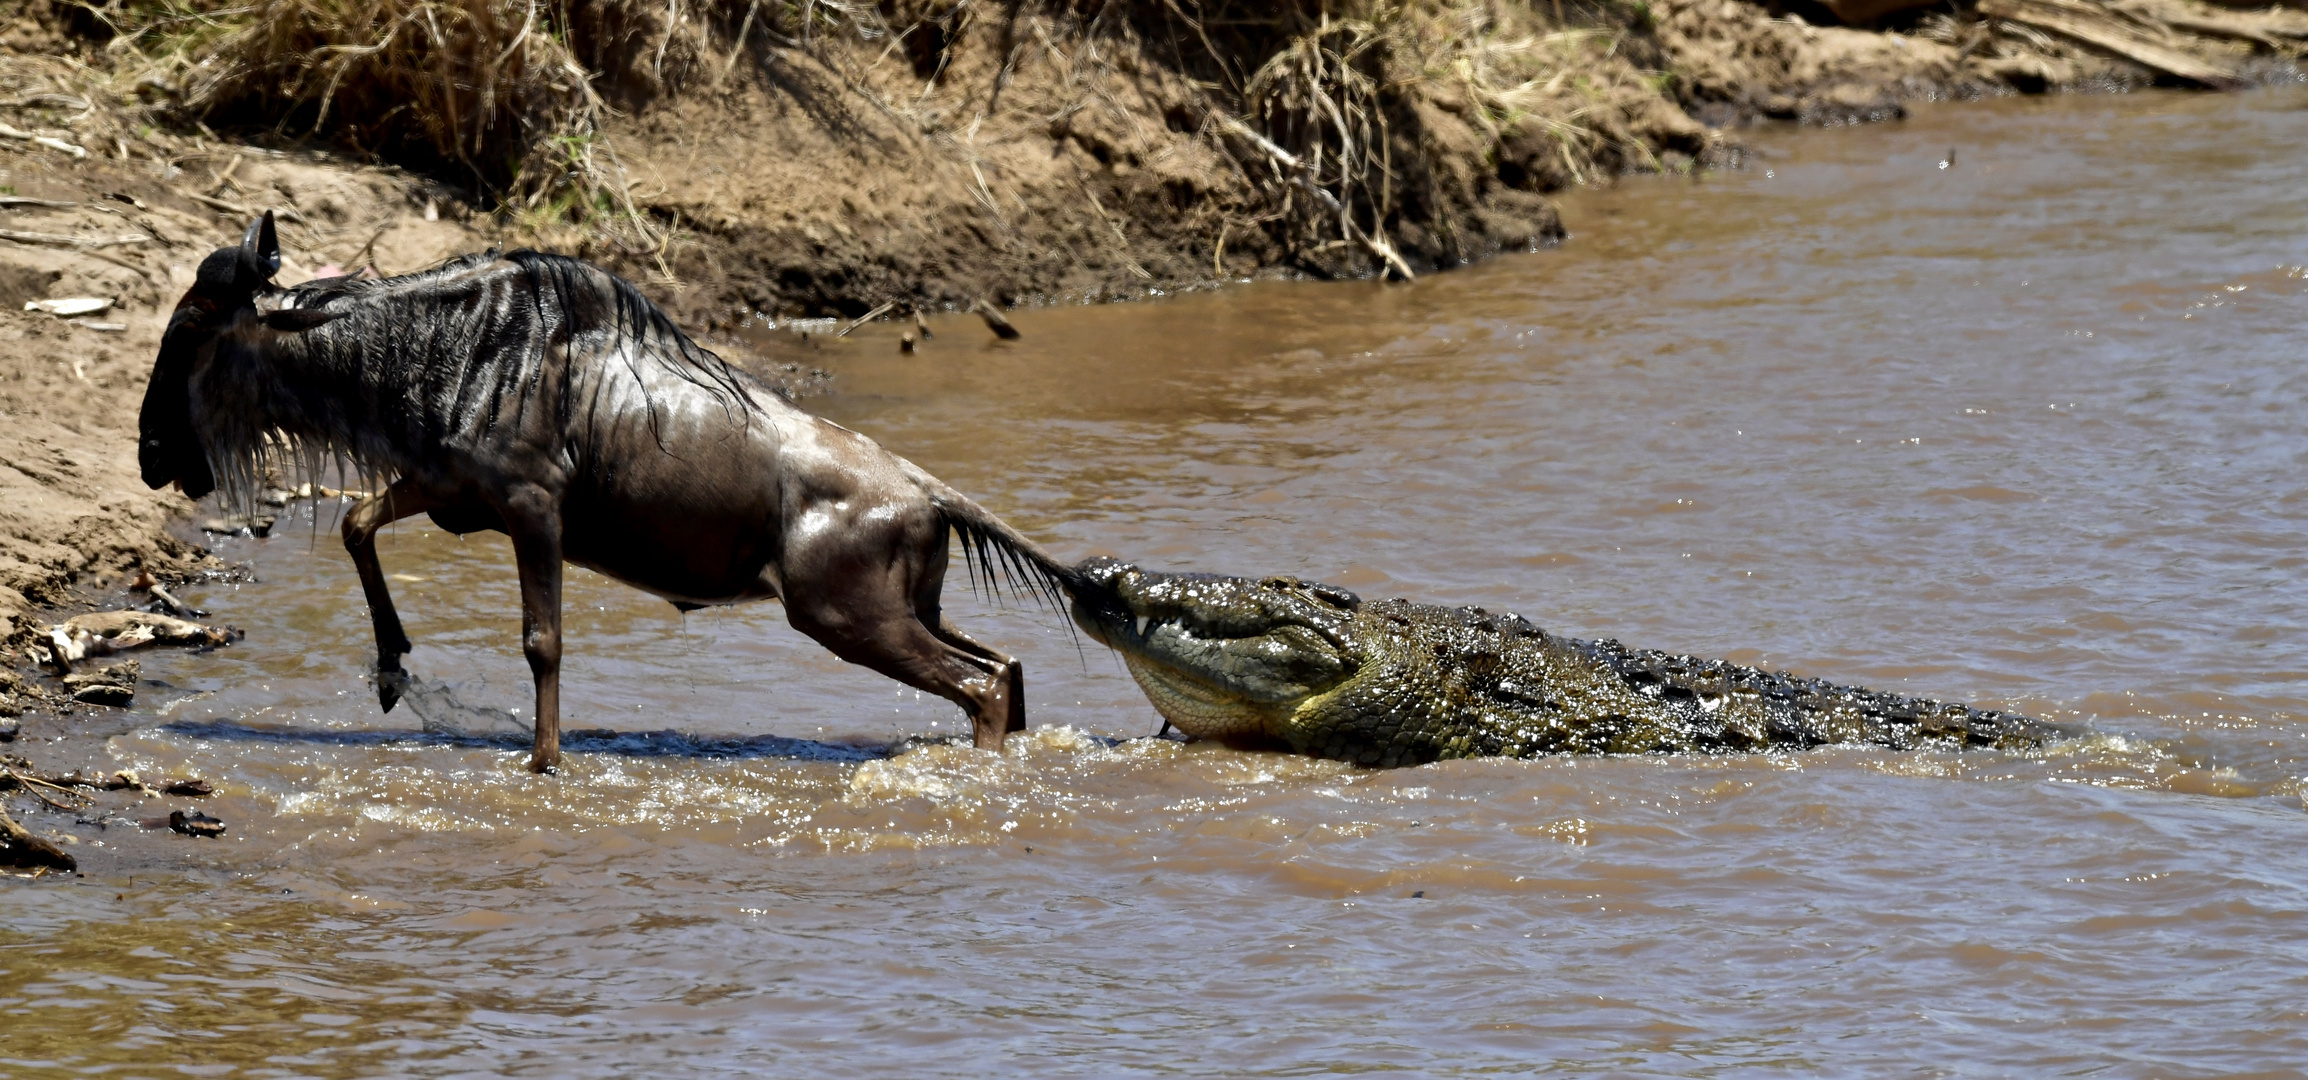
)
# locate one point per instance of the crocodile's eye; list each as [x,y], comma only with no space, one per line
[1334,596]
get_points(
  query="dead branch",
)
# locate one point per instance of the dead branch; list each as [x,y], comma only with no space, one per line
[62,240]
[59,145]
[2085,24]
[1301,176]
[866,318]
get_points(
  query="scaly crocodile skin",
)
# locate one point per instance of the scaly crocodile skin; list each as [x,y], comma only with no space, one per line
[1390,682]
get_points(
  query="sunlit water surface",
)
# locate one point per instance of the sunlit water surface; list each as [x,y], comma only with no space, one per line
[2024,431]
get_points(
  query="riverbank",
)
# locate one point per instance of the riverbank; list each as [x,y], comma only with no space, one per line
[827,158]
[920,155]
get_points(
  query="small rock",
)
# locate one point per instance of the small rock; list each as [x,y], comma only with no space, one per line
[125,778]
[69,306]
[114,685]
[195,823]
[19,848]
[9,727]
[186,788]
[237,525]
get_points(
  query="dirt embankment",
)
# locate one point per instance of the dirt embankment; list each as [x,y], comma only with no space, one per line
[825,158]
[1045,154]
[744,159]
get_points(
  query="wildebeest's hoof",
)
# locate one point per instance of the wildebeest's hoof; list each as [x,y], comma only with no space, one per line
[390,685]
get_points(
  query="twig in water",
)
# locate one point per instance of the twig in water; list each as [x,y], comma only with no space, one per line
[995,320]
[866,318]
[25,783]
[145,580]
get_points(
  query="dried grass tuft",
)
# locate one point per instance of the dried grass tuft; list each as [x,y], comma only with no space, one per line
[1317,98]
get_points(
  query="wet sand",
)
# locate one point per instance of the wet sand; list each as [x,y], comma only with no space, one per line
[2021,431]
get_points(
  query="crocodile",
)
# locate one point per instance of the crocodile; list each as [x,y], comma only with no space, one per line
[1280,662]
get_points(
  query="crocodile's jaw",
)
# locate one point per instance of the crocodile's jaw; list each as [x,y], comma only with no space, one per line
[1220,657]
[1199,708]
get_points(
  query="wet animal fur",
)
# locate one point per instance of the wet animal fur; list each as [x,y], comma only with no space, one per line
[406,366]
[543,397]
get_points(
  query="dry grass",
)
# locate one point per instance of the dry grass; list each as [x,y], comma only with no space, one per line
[1317,99]
[1333,107]
[492,94]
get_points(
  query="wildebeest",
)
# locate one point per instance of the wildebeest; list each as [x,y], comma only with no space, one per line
[547,399]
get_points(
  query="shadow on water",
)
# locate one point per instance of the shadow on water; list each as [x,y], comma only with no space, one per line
[637,744]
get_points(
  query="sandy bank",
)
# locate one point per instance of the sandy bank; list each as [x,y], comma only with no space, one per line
[73,512]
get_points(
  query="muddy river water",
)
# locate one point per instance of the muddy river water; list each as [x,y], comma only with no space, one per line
[2022,428]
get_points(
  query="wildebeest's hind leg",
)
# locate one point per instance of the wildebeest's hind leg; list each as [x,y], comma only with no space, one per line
[881,612]
[360,528]
[1011,673]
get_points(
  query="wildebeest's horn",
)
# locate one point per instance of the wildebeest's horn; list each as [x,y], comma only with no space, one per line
[260,248]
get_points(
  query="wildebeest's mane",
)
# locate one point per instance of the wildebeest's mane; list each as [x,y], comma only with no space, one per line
[441,357]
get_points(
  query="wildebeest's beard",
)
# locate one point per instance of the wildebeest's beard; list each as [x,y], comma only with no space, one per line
[168,450]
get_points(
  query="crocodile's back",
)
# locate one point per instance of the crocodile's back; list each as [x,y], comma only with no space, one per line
[1461,682]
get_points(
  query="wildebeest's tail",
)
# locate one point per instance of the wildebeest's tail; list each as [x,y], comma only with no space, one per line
[998,554]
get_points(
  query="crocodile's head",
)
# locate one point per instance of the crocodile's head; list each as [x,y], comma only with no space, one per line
[1221,657]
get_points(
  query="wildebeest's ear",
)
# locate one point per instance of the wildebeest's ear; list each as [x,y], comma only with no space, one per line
[167,448]
[260,249]
[295,319]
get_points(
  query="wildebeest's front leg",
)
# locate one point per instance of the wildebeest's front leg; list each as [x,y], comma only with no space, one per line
[401,500]
[536,534]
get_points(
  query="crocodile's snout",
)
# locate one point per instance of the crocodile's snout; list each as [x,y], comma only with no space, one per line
[1217,653]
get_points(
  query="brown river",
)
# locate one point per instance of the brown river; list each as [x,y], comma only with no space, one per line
[2022,429]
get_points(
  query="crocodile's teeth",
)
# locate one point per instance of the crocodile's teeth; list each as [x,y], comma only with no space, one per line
[1142,626]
